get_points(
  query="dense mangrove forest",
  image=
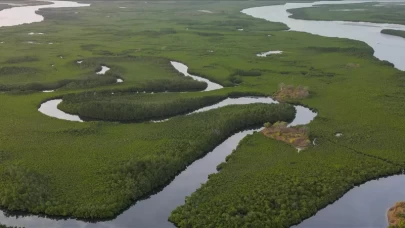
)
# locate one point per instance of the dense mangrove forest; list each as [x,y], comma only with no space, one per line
[110,63]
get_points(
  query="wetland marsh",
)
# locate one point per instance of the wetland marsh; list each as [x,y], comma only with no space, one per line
[104,168]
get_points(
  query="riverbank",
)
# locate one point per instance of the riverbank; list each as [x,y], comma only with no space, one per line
[375,12]
[393,32]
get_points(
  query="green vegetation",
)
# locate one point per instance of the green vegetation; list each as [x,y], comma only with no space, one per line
[393,32]
[124,106]
[154,79]
[26,189]
[4,226]
[156,153]
[96,169]
[4,71]
[117,107]
[377,12]
[22,59]
[400,225]
[135,177]
[251,73]
[265,183]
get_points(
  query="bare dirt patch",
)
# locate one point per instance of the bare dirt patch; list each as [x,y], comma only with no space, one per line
[291,93]
[396,215]
[352,65]
[296,136]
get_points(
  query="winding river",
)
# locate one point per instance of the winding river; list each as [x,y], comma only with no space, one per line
[154,211]
[303,116]
[386,47]
[182,68]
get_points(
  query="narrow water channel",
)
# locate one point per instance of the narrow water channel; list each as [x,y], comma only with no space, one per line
[103,70]
[50,108]
[182,68]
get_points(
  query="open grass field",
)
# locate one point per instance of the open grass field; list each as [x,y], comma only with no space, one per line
[96,169]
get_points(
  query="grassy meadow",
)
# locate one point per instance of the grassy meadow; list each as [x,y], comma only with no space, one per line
[96,169]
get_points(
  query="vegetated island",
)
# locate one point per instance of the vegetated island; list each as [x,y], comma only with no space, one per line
[396,215]
[375,12]
[126,106]
[394,32]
